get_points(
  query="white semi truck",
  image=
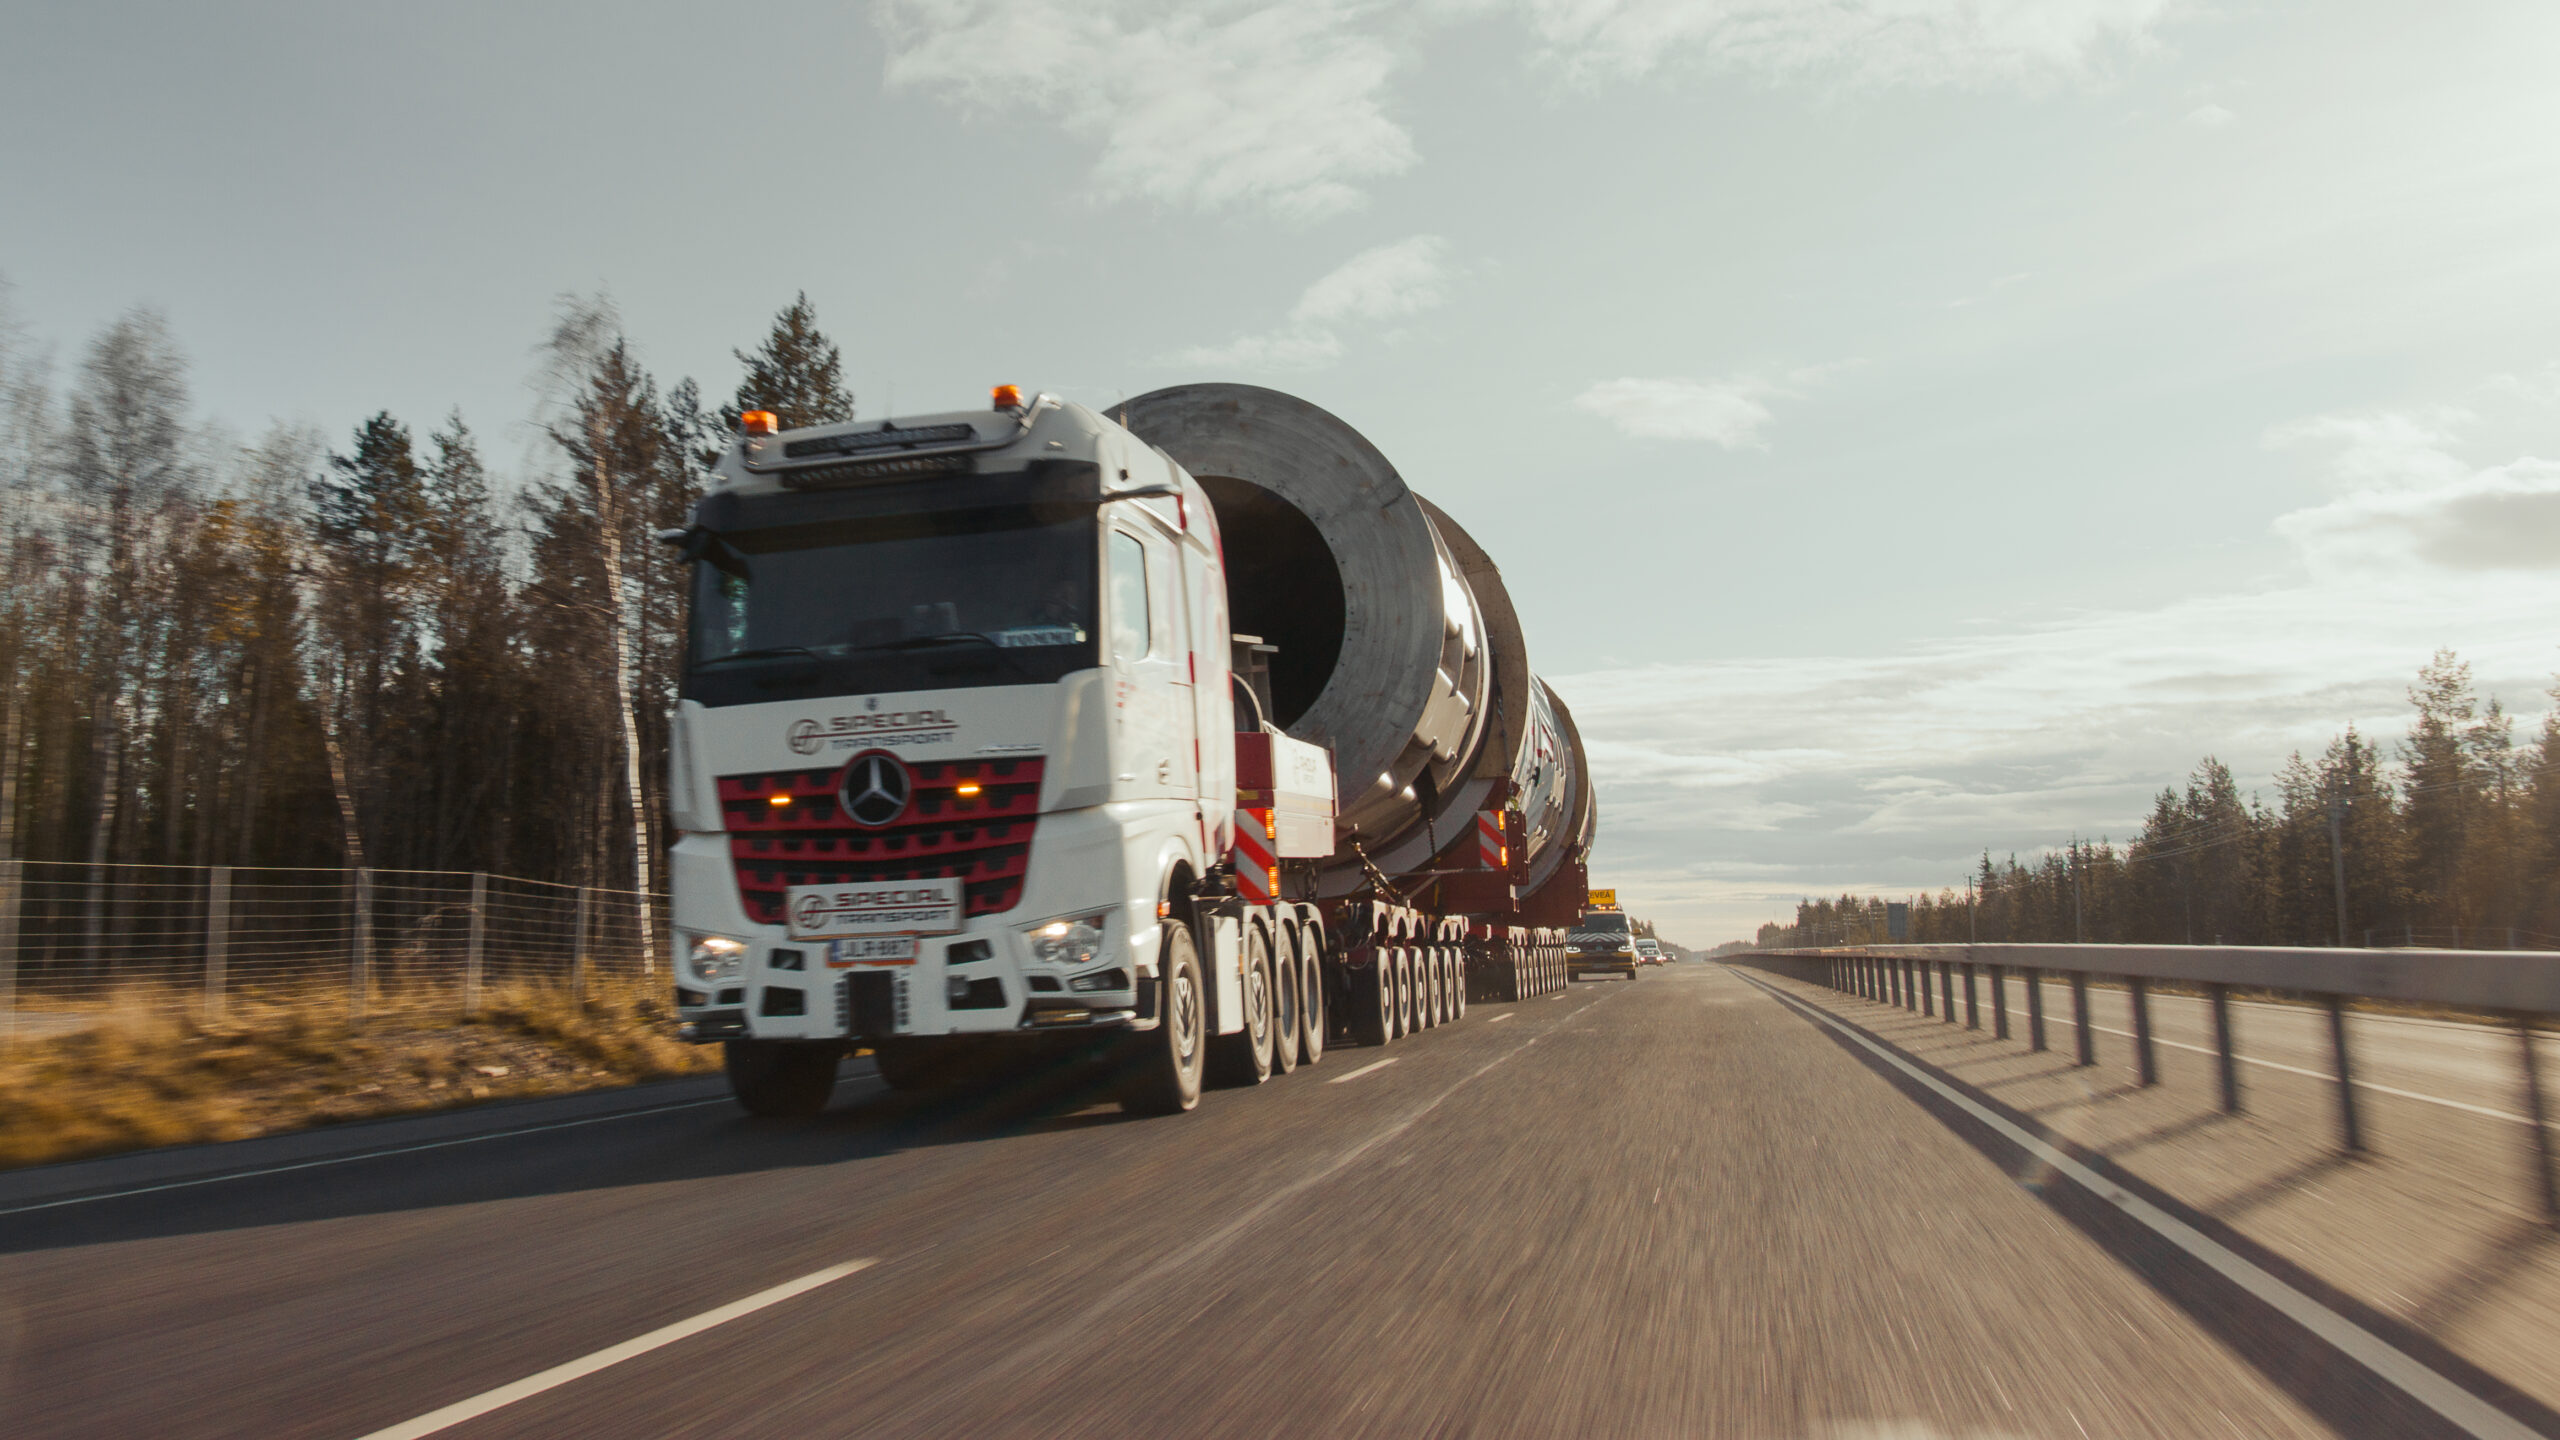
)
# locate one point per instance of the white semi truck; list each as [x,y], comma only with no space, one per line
[1183,736]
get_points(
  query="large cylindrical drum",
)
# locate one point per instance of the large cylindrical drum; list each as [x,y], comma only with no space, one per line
[1398,649]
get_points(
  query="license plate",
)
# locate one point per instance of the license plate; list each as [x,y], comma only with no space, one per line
[872,950]
[880,907]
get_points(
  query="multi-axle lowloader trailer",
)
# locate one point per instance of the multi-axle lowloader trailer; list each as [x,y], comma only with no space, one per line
[1183,735]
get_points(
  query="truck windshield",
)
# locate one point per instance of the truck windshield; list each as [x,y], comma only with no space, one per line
[1608,923]
[932,600]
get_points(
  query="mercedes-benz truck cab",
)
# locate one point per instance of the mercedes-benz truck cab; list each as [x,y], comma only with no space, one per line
[955,713]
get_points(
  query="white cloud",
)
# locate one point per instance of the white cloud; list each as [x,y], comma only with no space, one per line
[1371,289]
[2407,500]
[1882,42]
[2210,117]
[1209,106]
[1730,412]
[1221,105]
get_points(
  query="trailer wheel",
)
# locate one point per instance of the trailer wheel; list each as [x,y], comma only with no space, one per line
[1311,996]
[1160,1073]
[1435,987]
[1244,1058]
[1373,1000]
[783,1078]
[1404,991]
[1285,1001]
[1465,976]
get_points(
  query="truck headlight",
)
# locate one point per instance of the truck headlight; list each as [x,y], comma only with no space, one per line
[716,958]
[1075,940]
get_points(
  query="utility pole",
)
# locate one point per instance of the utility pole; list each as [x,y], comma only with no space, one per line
[2338,858]
[1969,935]
[2078,935]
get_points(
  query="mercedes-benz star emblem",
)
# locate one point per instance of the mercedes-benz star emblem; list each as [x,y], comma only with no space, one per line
[874,788]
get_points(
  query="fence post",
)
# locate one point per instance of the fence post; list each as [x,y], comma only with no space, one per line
[360,954]
[578,953]
[2088,1038]
[2534,1112]
[1928,990]
[11,872]
[2350,1130]
[1947,991]
[2226,1054]
[2146,1065]
[1972,1007]
[472,946]
[217,940]
[1999,1003]
[2035,1009]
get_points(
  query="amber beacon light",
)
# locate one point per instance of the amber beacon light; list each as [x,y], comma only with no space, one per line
[758,422]
[1006,397]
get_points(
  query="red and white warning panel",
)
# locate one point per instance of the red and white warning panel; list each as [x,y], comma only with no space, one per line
[1257,869]
[1292,782]
[1493,851]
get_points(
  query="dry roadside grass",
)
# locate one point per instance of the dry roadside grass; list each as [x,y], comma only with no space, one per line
[148,1076]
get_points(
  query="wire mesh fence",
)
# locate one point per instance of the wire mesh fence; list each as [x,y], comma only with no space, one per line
[76,938]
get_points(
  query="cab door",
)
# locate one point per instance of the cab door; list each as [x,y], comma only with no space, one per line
[1152,723]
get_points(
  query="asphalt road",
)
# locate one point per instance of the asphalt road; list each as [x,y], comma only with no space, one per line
[1669,1207]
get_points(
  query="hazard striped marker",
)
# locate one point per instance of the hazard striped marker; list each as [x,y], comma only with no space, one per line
[1257,873]
[1491,853]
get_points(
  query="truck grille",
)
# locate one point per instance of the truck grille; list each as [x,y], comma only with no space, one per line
[983,840]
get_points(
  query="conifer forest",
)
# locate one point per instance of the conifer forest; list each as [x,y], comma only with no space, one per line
[2447,836]
[362,649]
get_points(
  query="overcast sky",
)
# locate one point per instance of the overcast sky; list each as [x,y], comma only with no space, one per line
[1907,426]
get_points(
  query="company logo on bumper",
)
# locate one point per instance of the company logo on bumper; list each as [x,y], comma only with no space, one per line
[889,907]
[886,727]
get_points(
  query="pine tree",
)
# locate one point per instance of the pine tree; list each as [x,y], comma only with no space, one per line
[369,528]
[797,373]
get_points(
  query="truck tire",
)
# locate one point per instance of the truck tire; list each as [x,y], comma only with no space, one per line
[1313,1019]
[1404,991]
[1458,991]
[1160,1071]
[1285,1001]
[781,1078]
[1244,1058]
[1373,999]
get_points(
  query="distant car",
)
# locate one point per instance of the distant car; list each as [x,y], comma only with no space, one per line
[1648,950]
[1601,942]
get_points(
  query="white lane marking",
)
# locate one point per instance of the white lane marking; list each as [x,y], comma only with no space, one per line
[2332,1079]
[1365,1069]
[559,1375]
[2394,1365]
[1498,1019]
[361,1155]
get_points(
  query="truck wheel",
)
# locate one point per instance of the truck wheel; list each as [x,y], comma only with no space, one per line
[1244,1058]
[1436,965]
[783,1078]
[1160,1073]
[1404,990]
[1311,999]
[1373,1000]
[1458,1007]
[1285,1001]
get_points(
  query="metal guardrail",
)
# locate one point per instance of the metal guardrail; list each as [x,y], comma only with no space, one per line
[2517,985]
